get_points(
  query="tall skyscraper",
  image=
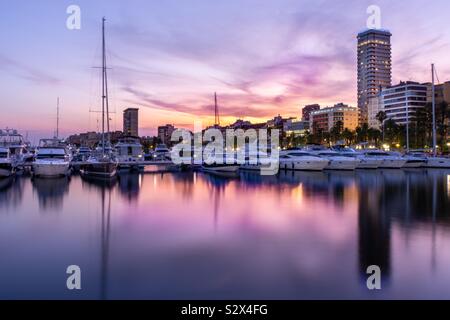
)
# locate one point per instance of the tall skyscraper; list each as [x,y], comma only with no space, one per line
[374,67]
[131,122]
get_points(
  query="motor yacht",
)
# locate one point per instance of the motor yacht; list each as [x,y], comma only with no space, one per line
[431,161]
[388,161]
[217,163]
[130,153]
[338,161]
[365,162]
[414,160]
[11,139]
[7,167]
[161,153]
[52,159]
[296,159]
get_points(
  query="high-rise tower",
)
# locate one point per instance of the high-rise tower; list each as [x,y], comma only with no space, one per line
[374,66]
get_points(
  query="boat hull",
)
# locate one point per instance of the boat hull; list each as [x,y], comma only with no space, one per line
[393,164]
[219,168]
[415,164]
[107,169]
[437,163]
[369,164]
[50,169]
[304,165]
[338,163]
[6,170]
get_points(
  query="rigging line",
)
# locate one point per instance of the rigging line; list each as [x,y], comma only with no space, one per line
[437,77]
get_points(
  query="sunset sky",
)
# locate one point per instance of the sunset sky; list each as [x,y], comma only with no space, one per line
[263,57]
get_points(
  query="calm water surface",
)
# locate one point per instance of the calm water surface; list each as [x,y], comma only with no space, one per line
[197,236]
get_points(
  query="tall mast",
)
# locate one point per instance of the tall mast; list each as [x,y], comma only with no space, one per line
[216,111]
[106,88]
[433,99]
[103,85]
[57,118]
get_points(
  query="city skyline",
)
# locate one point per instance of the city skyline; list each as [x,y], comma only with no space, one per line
[263,59]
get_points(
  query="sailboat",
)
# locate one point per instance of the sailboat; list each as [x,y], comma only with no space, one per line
[102,163]
[435,161]
[216,162]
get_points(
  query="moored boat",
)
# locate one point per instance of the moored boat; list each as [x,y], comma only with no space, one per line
[52,159]
[103,162]
[388,161]
[296,159]
[7,167]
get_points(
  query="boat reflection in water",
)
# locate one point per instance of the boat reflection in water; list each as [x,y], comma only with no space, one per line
[194,235]
[51,192]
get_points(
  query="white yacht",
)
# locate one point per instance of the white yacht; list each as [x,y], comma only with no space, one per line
[161,152]
[7,167]
[52,159]
[296,159]
[414,160]
[11,139]
[438,162]
[365,162]
[388,161]
[129,152]
[338,161]
[255,161]
[430,161]
[216,163]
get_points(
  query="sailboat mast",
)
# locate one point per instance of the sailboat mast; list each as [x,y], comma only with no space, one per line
[103,86]
[105,70]
[216,111]
[57,118]
[433,99]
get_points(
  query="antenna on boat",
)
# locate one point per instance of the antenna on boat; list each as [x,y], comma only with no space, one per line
[433,99]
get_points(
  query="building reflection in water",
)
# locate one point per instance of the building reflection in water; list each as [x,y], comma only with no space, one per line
[130,185]
[406,198]
[319,223]
[374,223]
[51,192]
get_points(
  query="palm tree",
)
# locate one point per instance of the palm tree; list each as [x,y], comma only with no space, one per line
[361,133]
[381,117]
[348,136]
[442,115]
[335,132]
[373,135]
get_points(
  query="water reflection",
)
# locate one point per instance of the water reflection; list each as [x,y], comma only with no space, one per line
[51,192]
[11,190]
[105,233]
[130,185]
[196,235]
